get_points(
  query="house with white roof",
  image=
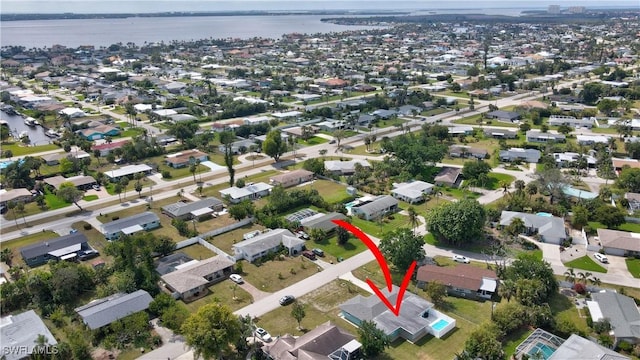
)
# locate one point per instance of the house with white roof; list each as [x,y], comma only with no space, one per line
[260,245]
[344,167]
[20,333]
[374,208]
[550,228]
[251,191]
[519,154]
[592,139]
[411,192]
[130,225]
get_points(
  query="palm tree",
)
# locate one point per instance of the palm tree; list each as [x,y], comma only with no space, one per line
[570,275]
[413,218]
[507,289]
[519,185]
[437,193]
[595,281]
[505,187]
[531,189]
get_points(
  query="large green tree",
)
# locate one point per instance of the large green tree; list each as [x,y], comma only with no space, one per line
[226,138]
[484,343]
[402,247]
[457,222]
[183,130]
[476,171]
[212,331]
[374,341]
[629,179]
[527,266]
[69,193]
[273,145]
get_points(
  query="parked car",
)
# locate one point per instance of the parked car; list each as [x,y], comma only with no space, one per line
[309,254]
[287,299]
[236,278]
[303,235]
[263,335]
[318,252]
[88,254]
[461,259]
[96,187]
[601,257]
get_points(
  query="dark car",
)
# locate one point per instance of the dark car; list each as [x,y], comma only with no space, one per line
[287,299]
[309,254]
[87,254]
[318,252]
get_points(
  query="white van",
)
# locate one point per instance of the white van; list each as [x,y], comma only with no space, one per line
[601,257]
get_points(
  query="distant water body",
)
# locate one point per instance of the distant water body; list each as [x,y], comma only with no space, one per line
[104,32]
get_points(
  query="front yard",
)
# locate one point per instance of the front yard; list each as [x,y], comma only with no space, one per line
[585,263]
[274,275]
[633,265]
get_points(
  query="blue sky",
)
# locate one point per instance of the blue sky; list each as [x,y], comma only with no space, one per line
[102,6]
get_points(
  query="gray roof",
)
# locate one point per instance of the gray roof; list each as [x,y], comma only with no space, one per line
[577,347]
[315,344]
[545,135]
[181,208]
[380,203]
[501,114]
[263,242]
[237,193]
[621,311]
[528,155]
[372,308]
[192,276]
[22,330]
[412,189]
[349,166]
[138,219]
[101,312]
[323,222]
[48,246]
[550,227]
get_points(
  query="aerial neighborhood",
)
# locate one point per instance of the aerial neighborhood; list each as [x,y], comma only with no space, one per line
[184,199]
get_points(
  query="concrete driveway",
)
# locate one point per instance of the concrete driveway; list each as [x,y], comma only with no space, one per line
[617,265]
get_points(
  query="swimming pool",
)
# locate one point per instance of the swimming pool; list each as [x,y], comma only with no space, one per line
[544,349]
[4,164]
[439,325]
[544,214]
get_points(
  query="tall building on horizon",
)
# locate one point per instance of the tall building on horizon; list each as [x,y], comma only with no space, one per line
[554,9]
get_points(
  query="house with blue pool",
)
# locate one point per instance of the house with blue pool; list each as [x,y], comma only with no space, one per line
[416,319]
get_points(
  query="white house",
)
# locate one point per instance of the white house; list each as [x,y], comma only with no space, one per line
[411,192]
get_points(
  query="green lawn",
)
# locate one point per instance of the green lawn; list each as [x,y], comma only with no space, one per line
[332,192]
[54,202]
[333,251]
[19,149]
[514,339]
[379,228]
[478,247]
[222,292]
[633,265]
[90,197]
[631,227]
[314,140]
[563,309]
[275,275]
[496,178]
[585,263]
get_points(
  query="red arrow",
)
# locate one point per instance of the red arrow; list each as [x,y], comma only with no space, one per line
[383,266]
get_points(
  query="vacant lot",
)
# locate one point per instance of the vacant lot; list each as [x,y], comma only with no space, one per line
[332,192]
[277,274]
[225,292]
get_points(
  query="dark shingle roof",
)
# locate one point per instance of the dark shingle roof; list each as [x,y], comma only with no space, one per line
[48,246]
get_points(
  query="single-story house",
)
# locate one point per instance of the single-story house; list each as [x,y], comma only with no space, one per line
[249,192]
[239,147]
[505,116]
[543,137]
[260,245]
[577,347]
[557,120]
[519,154]
[102,312]
[461,130]
[99,132]
[327,341]
[106,148]
[54,159]
[81,182]
[618,164]
[500,134]
[129,170]
[622,313]
[567,159]
[72,112]
[331,124]
[550,228]
[61,248]
[130,225]
[375,208]
[185,158]
[384,114]
[416,318]
[344,167]
[321,221]
[448,176]
[191,210]
[292,178]
[411,192]
[461,151]
[19,334]
[18,195]
[182,118]
[592,139]
[620,243]
[408,110]
[462,280]
[193,279]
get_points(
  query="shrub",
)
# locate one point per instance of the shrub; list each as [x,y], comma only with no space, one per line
[166,174]
[625,346]
[579,288]
[115,218]
[87,226]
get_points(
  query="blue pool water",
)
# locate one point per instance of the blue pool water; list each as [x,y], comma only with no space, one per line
[581,194]
[4,164]
[440,324]
[544,214]
[349,204]
[545,349]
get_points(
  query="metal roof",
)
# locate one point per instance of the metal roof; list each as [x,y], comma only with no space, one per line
[138,219]
[101,312]
[48,246]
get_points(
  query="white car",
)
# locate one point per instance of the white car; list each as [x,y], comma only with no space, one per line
[461,259]
[236,278]
[601,257]
[263,335]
